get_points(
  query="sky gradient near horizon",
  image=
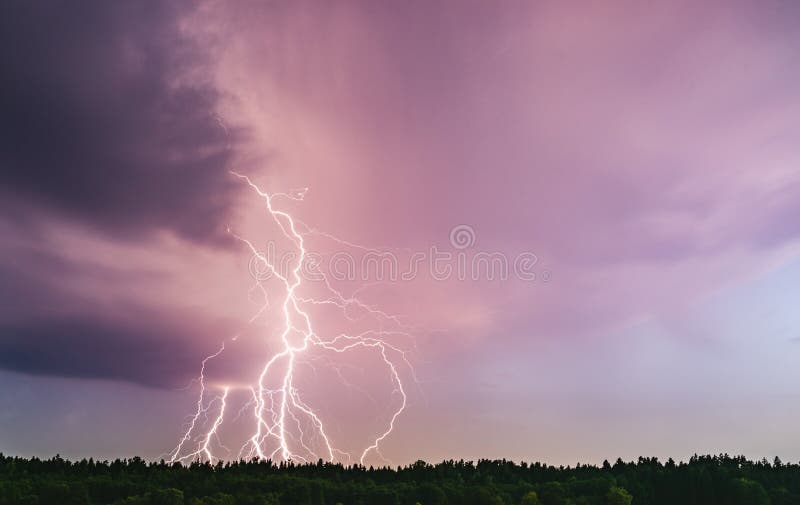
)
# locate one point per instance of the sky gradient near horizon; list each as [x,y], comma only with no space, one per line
[647,155]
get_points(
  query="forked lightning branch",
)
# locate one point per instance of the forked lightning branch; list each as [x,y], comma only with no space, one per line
[285,425]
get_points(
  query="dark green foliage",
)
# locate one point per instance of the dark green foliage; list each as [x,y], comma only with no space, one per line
[706,480]
[553,493]
[530,498]
[747,492]
[618,496]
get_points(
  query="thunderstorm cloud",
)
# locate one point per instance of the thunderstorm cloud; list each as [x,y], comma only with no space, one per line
[102,123]
[105,127]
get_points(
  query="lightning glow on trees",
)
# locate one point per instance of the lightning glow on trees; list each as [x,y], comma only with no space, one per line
[279,413]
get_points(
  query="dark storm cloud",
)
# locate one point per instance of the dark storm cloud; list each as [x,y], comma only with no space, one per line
[143,351]
[101,124]
[47,329]
[107,122]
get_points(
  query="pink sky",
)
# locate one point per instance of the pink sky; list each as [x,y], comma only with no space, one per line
[647,155]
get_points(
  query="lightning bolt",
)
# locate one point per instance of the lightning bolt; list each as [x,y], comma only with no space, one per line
[286,427]
[202,409]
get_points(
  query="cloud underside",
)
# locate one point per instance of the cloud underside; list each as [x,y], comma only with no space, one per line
[107,126]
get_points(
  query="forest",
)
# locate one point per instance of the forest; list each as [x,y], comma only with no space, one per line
[703,480]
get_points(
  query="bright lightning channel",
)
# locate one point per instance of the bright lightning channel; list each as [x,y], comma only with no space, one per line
[278,413]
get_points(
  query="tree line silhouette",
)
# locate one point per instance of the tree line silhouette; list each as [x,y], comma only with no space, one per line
[703,480]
